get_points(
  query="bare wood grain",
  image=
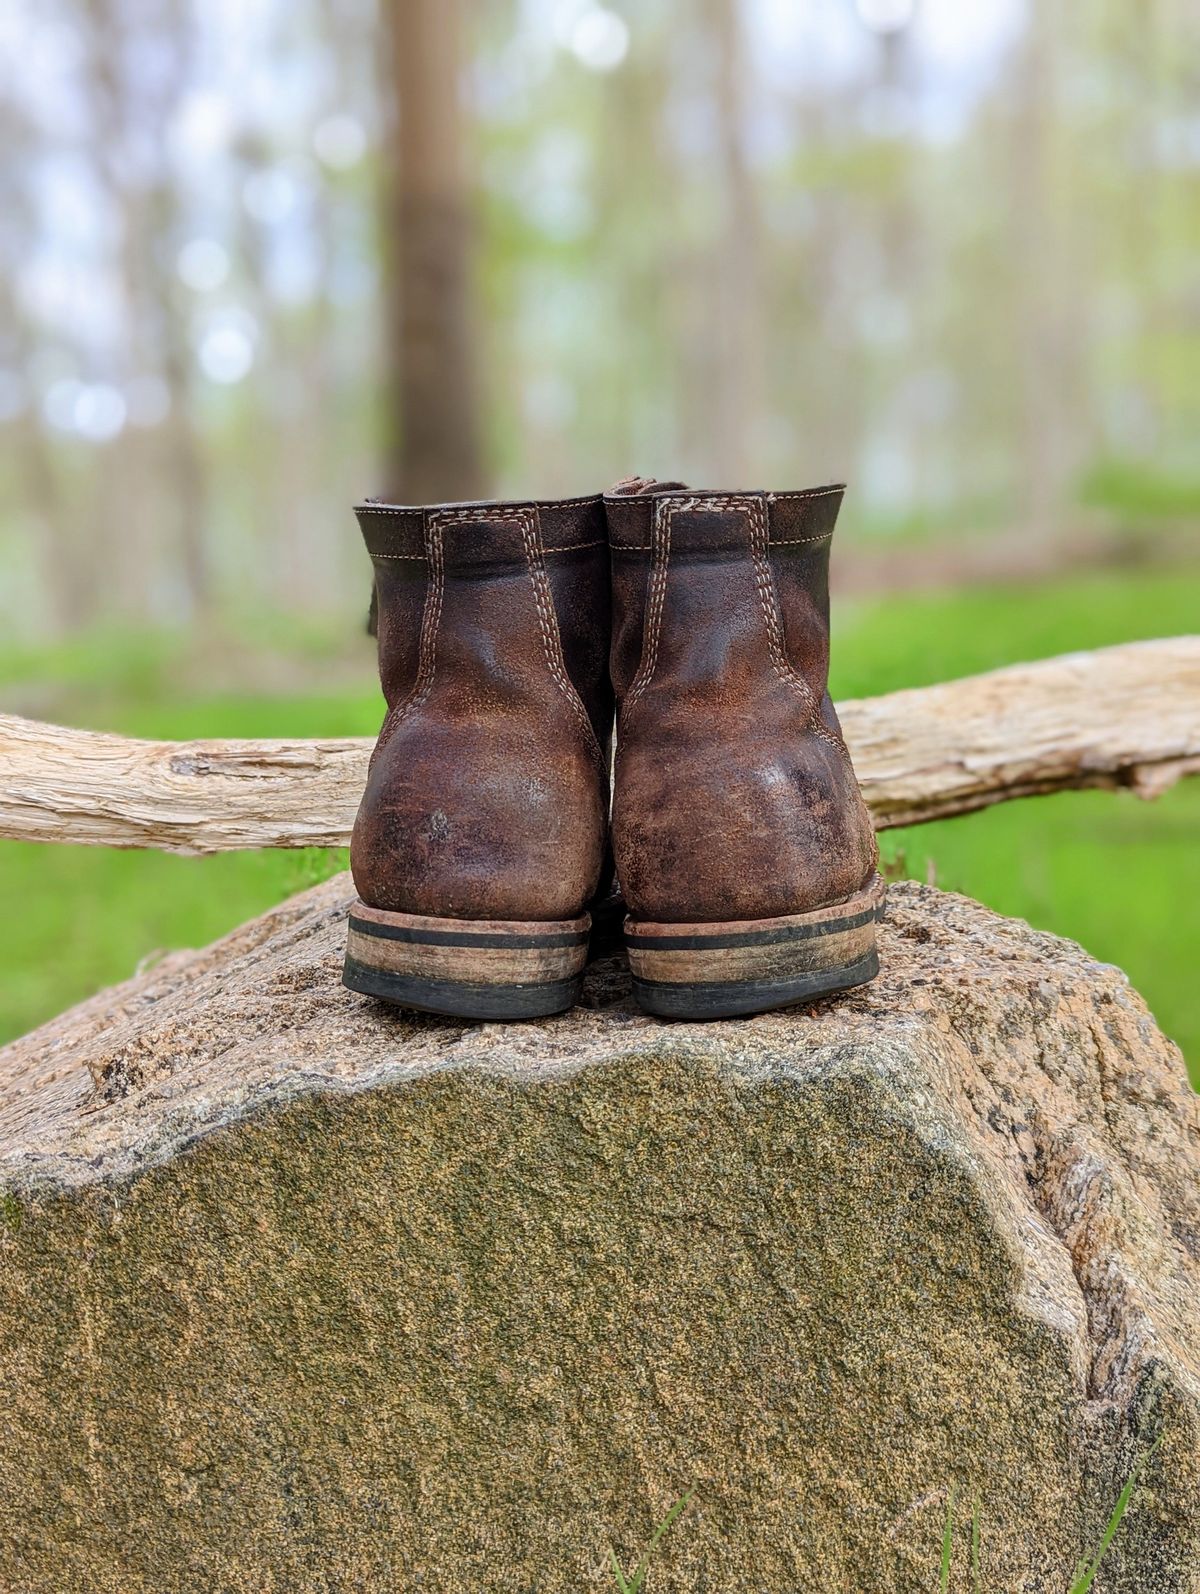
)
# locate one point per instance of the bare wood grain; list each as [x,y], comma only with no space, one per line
[188,797]
[1125,716]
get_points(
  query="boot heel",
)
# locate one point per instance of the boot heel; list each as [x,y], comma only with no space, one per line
[487,969]
[700,971]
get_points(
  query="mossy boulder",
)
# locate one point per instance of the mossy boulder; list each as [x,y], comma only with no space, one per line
[301,1293]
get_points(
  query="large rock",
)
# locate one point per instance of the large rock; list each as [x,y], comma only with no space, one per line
[301,1293]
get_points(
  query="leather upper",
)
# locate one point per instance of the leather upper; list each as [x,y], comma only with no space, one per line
[487,793]
[734,795]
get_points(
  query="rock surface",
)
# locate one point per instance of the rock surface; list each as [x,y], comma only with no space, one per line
[299,1293]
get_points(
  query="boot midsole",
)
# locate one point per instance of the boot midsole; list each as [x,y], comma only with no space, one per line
[758,951]
[470,952]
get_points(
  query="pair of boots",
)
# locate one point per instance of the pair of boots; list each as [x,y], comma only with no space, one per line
[507,633]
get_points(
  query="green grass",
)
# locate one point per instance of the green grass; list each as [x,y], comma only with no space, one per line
[1087,1570]
[1085,1574]
[1120,876]
[633,1583]
[90,915]
[82,917]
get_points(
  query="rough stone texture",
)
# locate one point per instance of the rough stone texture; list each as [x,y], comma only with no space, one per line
[301,1293]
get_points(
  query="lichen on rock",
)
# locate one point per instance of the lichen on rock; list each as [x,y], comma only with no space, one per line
[299,1292]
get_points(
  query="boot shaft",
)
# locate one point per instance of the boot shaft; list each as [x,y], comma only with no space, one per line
[493,595]
[717,584]
[488,787]
[741,839]
[735,799]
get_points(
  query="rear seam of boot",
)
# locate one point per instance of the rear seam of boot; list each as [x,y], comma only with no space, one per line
[760,538]
[665,509]
[760,533]
[660,558]
[755,510]
[528,521]
[431,616]
[543,597]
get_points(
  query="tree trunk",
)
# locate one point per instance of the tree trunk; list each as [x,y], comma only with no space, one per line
[434,444]
[1046,310]
[738,396]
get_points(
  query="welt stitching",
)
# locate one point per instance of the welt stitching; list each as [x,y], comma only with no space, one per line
[543,597]
[814,492]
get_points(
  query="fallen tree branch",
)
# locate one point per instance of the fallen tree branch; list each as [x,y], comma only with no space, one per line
[1123,716]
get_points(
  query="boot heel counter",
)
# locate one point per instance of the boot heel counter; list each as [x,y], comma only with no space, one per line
[474,837]
[861,840]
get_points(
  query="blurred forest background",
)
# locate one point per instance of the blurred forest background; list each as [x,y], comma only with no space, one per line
[262,259]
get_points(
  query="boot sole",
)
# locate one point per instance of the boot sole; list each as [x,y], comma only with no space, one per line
[486,969]
[701,971]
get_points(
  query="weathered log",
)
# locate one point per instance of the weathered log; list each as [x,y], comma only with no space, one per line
[1124,716]
[299,1292]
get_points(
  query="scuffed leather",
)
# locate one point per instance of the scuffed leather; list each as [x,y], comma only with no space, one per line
[487,794]
[734,794]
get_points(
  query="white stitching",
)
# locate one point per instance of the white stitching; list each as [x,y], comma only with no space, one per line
[831,491]
[664,509]
[573,547]
[760,552]
[477,511]
[755,509]
[784,668]
[543,597]
[528,519]
[566,547]
[776,542]
[427,648]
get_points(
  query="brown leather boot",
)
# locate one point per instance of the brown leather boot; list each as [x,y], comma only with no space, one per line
[481,838]
[744,849]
